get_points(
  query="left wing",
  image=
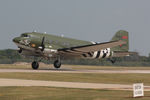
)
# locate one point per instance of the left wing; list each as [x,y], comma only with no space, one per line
[91,47]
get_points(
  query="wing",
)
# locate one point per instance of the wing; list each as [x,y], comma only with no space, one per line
[91,47]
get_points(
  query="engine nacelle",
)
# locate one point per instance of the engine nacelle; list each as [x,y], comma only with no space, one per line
[27,52]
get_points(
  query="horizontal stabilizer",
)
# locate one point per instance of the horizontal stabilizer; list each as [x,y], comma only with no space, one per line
[122,54]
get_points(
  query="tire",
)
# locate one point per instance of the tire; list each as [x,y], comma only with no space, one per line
[35,65]
[57,64]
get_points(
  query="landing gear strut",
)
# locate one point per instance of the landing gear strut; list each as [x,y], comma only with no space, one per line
[35,65]
[20,50]
[112,60]
[57,64]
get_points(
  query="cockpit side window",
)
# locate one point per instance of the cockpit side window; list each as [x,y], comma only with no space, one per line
[25,35]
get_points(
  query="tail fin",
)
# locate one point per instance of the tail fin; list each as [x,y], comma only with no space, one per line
[121,35]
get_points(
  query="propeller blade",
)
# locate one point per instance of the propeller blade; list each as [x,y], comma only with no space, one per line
[42,44]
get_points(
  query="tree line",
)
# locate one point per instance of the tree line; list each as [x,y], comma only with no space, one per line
[10,56]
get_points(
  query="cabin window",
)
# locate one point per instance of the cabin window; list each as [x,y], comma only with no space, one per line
[50,41]
[56,42]
[66,44]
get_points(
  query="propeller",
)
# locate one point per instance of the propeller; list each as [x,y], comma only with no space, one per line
[42,44]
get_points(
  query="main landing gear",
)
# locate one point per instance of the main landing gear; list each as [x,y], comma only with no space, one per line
[57,64]
[35,64]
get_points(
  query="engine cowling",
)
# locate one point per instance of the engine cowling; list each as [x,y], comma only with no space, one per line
[27,52]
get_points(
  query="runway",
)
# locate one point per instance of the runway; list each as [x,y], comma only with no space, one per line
[20,82]
[74,71]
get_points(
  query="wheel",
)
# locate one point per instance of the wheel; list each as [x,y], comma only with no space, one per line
[57,64]
[20,50]
[35,65]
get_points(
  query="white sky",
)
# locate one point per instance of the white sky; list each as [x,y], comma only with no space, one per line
[92,20]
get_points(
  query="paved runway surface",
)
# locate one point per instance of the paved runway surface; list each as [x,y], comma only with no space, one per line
[73,71]
[19,82]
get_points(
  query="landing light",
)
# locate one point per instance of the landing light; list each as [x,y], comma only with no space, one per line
[33,45]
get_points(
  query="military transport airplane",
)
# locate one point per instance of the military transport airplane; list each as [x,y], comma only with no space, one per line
[58,47]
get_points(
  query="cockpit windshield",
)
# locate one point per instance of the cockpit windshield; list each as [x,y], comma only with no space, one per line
[25,35]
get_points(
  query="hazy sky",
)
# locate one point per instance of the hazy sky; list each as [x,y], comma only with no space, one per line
[92,20]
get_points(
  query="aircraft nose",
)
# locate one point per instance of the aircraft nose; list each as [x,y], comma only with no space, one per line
[16,40]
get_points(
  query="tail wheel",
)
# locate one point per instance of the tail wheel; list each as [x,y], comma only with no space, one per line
[57,64]
[113,61]
[35,65]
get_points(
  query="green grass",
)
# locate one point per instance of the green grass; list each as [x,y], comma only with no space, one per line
[85,77]
[49,93]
